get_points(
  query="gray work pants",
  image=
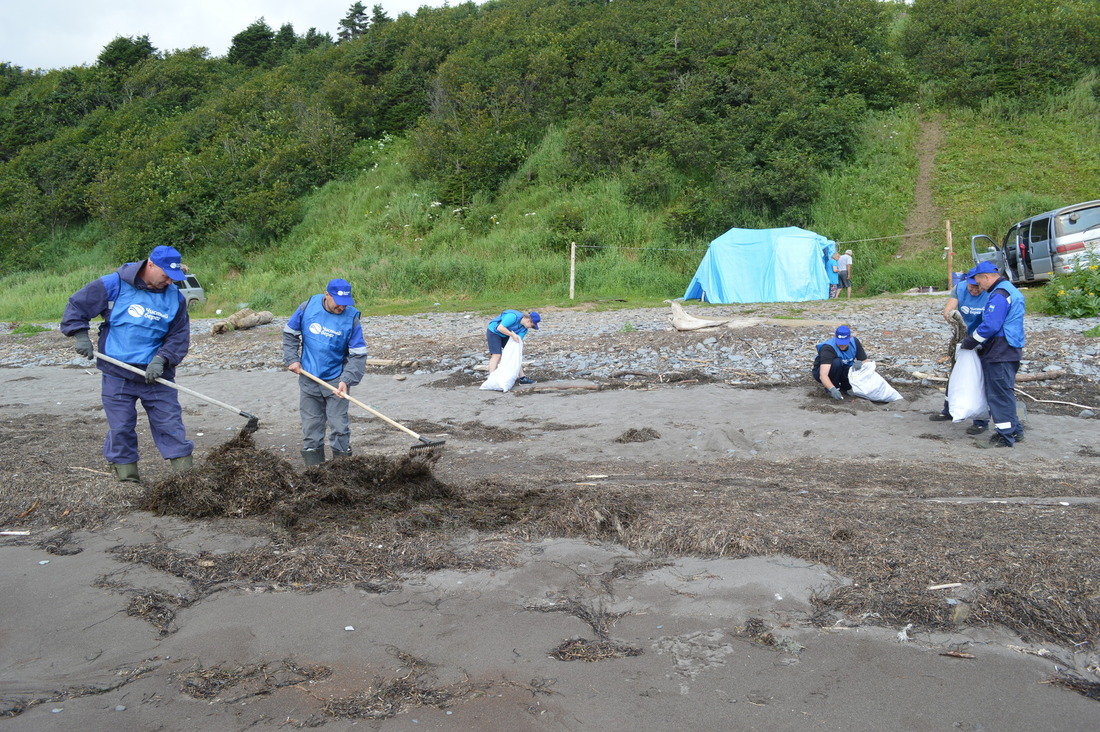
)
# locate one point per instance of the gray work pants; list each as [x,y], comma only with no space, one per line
[317,405]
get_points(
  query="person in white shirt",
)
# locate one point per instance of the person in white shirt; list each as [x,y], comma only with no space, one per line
[844,264]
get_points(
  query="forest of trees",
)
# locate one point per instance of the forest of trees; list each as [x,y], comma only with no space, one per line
[711,111]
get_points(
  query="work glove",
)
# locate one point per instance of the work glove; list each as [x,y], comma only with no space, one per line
[969,343]
[155,369]
[857,365]
[835,394]
[83,344]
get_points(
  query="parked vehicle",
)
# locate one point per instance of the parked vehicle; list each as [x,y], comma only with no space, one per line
[192,291]
[1050,243]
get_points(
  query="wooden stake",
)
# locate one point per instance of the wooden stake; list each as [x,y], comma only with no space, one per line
[950,260]
[572,268]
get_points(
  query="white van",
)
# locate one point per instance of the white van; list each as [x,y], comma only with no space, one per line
[192,291]
[1039,247]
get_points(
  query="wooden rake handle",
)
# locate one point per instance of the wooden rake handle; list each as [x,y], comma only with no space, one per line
[353,400]
[177,387]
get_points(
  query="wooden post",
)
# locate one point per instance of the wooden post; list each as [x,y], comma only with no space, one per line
[950,260]
[572,268]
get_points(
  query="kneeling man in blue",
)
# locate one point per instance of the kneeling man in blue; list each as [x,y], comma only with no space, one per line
[836,357]
[999,340]
[145,324]
[324,337]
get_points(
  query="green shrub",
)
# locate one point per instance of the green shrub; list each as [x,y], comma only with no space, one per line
[1076,295]
[900,275]
[27,329]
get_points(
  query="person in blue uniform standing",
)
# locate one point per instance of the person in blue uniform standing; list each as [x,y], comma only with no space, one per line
[969,299]
[836,358]
[324,337]
[509,324]
[832,269]
[145,324]
[999,340]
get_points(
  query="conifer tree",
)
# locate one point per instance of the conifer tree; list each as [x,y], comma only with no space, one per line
[252,45]
[354,24]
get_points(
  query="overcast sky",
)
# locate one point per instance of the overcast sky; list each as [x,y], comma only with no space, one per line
[52,34]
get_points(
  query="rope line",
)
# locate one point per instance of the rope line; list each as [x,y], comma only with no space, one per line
[676,249]
[895,236]
[659,249]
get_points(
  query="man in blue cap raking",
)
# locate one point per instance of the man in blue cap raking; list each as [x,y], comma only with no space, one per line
[324,337]
[837,357]
[145,324]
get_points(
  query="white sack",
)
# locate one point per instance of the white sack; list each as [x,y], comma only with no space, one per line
[867,383]
[507,371]
[966,387]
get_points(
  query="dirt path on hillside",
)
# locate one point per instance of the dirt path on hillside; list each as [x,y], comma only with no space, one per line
[925,221]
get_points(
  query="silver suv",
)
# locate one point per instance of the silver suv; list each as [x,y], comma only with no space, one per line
[1050,243]
[192,291]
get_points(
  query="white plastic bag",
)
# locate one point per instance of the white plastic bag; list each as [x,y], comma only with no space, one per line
[507,371]
[867,383]
[966,387]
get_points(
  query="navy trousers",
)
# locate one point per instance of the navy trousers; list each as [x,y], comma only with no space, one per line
[1000,380]
[838,374]
[161,404]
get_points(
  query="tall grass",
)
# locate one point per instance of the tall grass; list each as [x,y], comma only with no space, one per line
[864,205]
[1007,161]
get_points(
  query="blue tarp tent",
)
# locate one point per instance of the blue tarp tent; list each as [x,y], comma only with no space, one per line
[763,265]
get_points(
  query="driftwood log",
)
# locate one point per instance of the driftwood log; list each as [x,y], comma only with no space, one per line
[390,362]
[1038,376]
[242,319]
[683,322]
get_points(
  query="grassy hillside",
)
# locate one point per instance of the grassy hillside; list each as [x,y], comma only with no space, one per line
[405,252]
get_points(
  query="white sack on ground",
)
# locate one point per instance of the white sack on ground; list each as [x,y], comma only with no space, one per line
[966,387]
[511,360]
[867,383]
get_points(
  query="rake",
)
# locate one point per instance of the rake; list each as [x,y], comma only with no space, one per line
[253,420]
[425,444]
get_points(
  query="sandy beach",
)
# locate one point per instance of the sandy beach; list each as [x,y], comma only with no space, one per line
[592,556]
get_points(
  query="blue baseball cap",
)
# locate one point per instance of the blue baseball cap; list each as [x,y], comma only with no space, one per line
[535,320]
[340,291]
[168,259]
[843,335]
[980,268]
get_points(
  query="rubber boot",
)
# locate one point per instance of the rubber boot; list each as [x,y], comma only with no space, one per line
[315,456]
[340,453]
[126,472]
[181,464]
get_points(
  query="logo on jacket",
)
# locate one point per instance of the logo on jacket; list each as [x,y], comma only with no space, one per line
[318,329]
[140,311]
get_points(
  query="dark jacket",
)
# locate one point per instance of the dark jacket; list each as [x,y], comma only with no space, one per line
[95,299]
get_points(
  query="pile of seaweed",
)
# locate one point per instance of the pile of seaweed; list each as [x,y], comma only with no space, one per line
[238,479]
